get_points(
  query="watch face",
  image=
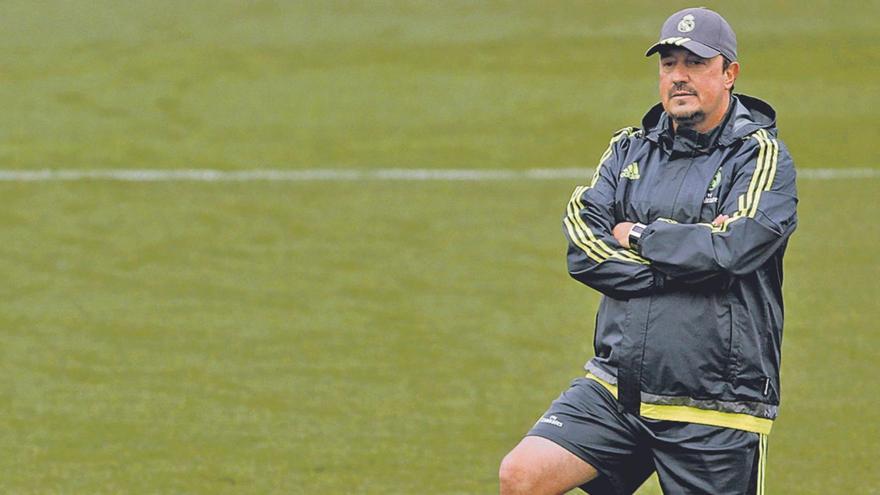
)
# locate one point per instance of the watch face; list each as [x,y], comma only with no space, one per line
[634,236]
[635,233]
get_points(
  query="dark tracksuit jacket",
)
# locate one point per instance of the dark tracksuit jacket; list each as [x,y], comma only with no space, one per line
[690,325]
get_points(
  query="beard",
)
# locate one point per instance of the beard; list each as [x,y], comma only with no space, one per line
[688,119]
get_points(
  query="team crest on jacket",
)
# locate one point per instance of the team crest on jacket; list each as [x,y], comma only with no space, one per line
[631,171]
[686,24]
[712,193]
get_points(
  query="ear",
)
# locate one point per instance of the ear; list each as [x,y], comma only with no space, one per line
[730,75]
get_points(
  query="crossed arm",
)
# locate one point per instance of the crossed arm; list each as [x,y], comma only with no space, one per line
[759,214]
[621,231]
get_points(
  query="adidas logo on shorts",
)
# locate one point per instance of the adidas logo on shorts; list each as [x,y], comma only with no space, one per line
[551,421]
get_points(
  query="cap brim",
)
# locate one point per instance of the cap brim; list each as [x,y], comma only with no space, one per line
[693,46]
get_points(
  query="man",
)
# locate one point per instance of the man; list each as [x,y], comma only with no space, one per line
[682,229]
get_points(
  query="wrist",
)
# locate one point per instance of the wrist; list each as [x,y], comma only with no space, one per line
[635,235]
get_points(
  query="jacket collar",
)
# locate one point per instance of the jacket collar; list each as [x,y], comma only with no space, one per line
[745,116]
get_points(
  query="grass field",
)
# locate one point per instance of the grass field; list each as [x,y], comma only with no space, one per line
[375,336]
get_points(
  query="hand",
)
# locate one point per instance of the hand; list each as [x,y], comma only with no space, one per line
[719,220]
[621,233]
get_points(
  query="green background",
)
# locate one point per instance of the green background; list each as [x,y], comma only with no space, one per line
[375,336]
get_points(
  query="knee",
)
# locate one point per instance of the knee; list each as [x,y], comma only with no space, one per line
[514,475]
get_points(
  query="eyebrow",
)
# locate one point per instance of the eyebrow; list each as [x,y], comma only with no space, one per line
[687,56]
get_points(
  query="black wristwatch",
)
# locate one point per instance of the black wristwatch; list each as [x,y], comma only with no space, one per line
[635,234]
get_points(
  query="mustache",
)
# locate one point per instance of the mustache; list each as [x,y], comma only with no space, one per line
[681,88]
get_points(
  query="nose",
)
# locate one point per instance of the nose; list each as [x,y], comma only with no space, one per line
[679,73]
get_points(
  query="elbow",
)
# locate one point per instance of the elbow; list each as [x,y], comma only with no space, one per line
[587,278]
[608,287]
[740,270]
[733,267]
[582,276]
[739,264]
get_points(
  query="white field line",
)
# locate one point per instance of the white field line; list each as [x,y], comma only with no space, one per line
[336,175]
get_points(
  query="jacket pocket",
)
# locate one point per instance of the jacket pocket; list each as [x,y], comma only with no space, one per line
[688,345]
[732,341]
[612,320]
[747,346]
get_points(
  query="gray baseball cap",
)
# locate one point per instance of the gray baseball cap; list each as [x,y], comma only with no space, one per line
[701,31]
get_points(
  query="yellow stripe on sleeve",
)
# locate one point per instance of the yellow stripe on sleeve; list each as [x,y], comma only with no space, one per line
[611,252]
[578,229]
[768,171]
[755,183]
[762,180]
[579,243]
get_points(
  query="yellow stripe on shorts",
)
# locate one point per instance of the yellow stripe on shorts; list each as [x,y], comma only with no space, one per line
[762,462]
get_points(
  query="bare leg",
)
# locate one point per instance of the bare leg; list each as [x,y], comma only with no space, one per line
[538,466]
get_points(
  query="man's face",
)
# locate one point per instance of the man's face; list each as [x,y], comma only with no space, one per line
[693,89]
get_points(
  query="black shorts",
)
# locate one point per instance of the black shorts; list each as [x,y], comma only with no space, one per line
[626,449]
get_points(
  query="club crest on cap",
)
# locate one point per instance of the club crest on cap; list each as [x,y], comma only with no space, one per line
[686,24]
